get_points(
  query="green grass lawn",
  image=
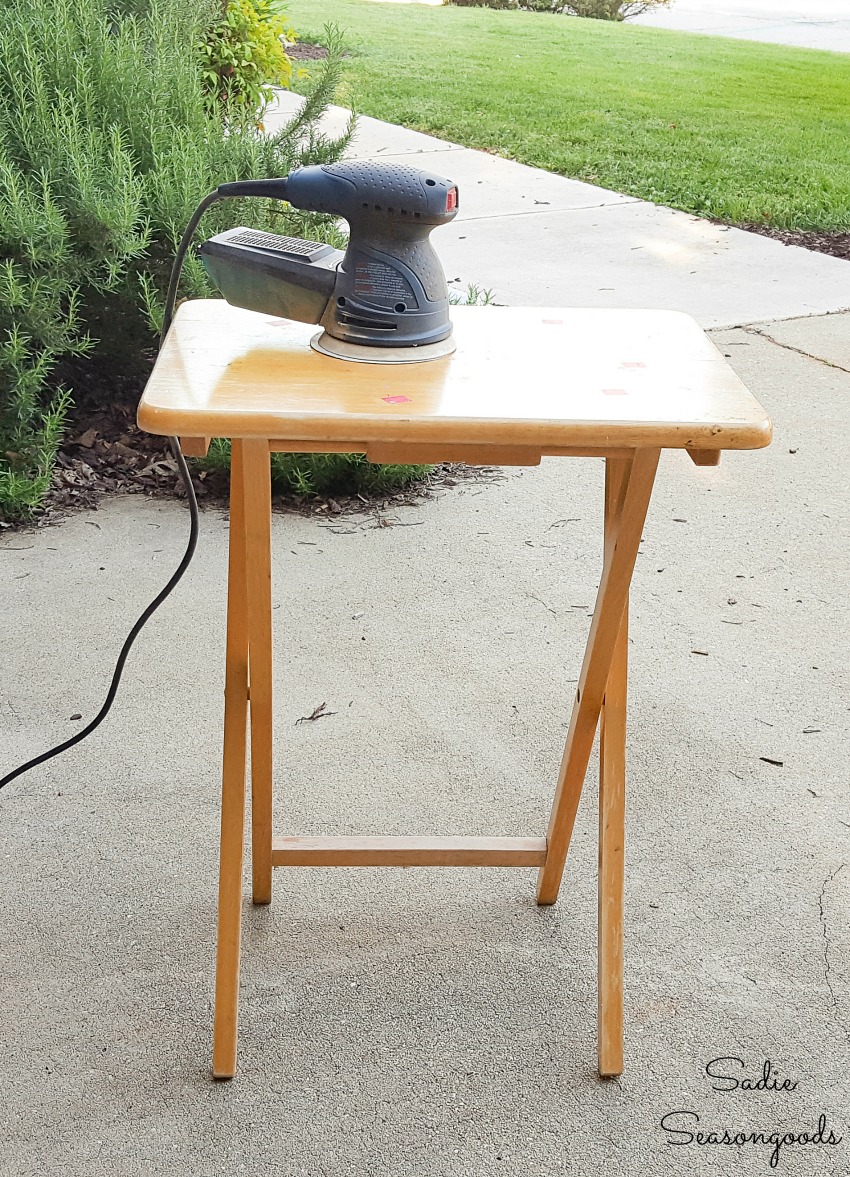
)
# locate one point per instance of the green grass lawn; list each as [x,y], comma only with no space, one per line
[729,129]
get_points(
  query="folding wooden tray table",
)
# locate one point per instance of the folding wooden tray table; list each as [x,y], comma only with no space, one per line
[523,384]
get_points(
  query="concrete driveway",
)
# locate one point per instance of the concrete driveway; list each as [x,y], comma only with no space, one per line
[822,24]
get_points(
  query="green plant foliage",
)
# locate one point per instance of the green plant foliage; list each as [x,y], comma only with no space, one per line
[596,9]
[244,55]
[482,3]
[39,319]
[307,475]
[473,296]
[107,144]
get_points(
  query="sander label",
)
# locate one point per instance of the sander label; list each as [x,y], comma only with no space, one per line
[375,280]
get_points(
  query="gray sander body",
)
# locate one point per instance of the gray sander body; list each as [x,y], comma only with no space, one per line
[382,300]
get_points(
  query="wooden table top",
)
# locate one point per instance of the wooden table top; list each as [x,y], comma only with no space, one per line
[520,376]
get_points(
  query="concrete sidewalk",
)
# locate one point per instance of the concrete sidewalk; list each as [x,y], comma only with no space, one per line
[817,24]
[539,239]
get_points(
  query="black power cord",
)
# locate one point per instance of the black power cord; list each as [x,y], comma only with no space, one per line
[168,315]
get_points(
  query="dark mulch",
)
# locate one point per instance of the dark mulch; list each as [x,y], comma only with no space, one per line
[837,244]
[304,51]
[104,451]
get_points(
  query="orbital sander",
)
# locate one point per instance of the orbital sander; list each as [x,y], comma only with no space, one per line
[382,300]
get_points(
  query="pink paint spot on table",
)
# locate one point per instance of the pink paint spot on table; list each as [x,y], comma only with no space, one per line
[614,392]
[396,400]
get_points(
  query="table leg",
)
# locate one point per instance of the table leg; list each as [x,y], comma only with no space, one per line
[612,831]
[621,546]
[258,506]
[233,788]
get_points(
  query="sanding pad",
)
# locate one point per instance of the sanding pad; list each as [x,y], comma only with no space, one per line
[359,354]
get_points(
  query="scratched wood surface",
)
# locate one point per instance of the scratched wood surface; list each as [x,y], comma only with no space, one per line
[521,377]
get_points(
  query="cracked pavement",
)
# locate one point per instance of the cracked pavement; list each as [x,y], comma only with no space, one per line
[839,1005]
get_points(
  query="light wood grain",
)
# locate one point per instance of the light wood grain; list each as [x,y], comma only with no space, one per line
[408,851]
[257,484]
[704,457]
[621,546]
[612,824]
[471,455]
[520,377]
[233,789]
[195,447]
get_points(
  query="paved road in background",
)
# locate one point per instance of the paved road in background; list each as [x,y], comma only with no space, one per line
[817,25]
